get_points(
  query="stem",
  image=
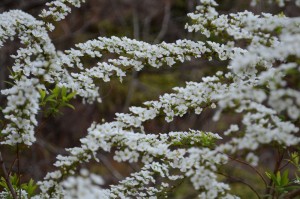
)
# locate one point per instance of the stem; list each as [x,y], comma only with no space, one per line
[253,168]
[6,176]
[165,22]
[292,194]
[11,166]
[19,174]
[170,190]
[241,181]
[271,190]
[288,162]
[110,168]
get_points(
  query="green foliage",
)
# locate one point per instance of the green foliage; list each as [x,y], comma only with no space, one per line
[196,139]
[56,99]
[280,181]
[283,182]
[29,187]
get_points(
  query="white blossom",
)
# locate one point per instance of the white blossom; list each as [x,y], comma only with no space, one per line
[254,85]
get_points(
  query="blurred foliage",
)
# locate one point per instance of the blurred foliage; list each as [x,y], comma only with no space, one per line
[29,187]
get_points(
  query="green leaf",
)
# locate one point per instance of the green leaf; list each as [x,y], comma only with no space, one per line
[14,179]
[70,106]
[43,94]
[3,183]
[64,98]
[268,174]
[285,178]
[295,158]
[278,178]
[29,187]
[49,98]
[63,91]
[71,95]
[9,83]
[56,91]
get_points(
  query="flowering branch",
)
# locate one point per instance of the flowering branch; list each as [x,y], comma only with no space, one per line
[255,85]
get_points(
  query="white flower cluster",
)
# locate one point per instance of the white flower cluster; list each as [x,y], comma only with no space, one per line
[7,194]
[255,86]
[59,9]
[280,3]
[261,124]
[40,60]
[84,186]
[135,146]
[242,25]
[201,177]
[23,97]
[137,55]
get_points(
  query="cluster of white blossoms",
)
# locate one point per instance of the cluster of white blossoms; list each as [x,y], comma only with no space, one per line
[59,9]
[254,85]
[280,3]
[40,64]
[23,97]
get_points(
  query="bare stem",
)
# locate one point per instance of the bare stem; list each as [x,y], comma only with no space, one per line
[292,194]
[253,168]
[270,190]
[11,166]
[6,176]
[19,173]
[165,22]
[241,181]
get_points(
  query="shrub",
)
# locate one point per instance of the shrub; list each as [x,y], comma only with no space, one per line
[260,84]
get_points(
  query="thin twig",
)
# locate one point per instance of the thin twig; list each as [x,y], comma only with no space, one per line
[136,35]
[51,148]
[6,177]
[241,181]
[246,163]
[288,162]
[292,194]
[110,168]
[11,166]
[277,166]
[165,22]
[19,174]
[270,190]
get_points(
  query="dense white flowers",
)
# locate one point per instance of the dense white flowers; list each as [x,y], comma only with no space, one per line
[59,9]
[23,97]
[254,85]
[280,3]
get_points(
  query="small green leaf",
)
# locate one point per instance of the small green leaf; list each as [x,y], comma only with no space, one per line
[278,178]
[268,174]
[3,183]
[63,91]
[64,98]
[56,91]
[9,83]
[29,187]
[295,158]
[49,98]
[43,94]
[71,95]
[70,106]
[285,178]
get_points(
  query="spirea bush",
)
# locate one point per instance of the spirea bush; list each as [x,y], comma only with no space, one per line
[260,84]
